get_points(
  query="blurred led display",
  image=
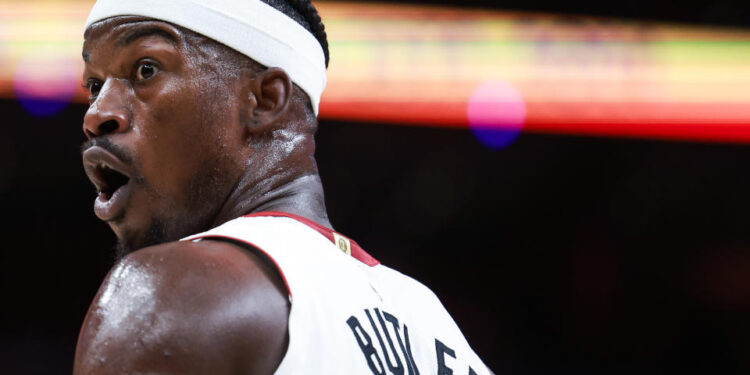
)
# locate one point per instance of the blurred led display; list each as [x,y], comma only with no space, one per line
[496,72]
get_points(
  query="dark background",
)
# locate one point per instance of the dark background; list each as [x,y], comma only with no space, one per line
[557,255]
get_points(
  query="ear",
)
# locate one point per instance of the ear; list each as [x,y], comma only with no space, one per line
[268,98]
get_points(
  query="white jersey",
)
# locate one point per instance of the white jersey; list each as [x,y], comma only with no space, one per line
[349,314]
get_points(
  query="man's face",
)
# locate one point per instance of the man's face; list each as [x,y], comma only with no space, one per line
[164,142]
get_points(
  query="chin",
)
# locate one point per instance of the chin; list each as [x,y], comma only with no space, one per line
[159,231]
[130,240]
[155,230]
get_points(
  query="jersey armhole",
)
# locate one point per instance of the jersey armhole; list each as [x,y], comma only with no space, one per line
[255,249]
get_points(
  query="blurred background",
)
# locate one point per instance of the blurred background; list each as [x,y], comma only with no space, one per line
[570,178]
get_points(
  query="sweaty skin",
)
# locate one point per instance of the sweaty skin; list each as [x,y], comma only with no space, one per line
[201,138]
[195,308]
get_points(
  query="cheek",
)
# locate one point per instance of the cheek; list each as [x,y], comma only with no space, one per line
[171,138]
[185,126]
[169,166]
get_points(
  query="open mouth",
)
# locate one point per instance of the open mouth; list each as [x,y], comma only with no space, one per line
[111,178]
[109,181]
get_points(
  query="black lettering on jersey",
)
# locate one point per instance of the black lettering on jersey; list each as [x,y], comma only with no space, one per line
[397,368]
[442,350]
[471,371]
[365,343]
[406,350]
[393,358]
[377,333]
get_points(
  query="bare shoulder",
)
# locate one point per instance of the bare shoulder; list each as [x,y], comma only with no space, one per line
[190,308]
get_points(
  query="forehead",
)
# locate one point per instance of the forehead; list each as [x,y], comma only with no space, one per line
[123,30]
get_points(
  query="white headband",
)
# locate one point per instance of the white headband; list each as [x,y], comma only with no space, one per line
[251,27]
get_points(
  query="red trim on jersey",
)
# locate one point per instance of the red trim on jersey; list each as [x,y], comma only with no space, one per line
[357,252]
[254,246]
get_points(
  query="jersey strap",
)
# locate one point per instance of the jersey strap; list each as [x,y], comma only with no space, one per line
[344,243]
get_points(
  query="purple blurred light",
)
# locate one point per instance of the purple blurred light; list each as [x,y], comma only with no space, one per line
[496,113]
[45,84]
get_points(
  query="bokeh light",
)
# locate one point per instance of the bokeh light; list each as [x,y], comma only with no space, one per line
[420,65]
[45,82]
[496,114]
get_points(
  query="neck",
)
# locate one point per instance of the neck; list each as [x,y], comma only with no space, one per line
[302,196]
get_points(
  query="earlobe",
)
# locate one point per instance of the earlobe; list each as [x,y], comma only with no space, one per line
[269,97]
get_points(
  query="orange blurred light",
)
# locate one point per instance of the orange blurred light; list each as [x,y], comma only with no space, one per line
[418,65]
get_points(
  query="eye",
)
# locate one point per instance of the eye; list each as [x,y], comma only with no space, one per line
[94,86]
[145,70]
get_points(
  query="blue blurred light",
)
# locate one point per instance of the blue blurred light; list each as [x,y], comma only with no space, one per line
[495,138]
[43,107]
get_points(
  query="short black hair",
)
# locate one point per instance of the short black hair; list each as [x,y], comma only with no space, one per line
[305,14]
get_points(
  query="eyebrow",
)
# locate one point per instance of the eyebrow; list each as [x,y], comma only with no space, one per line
[132,36]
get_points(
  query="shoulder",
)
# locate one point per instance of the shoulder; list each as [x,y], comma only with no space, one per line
[208,307]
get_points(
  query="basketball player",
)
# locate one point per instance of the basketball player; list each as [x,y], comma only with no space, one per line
[200,144]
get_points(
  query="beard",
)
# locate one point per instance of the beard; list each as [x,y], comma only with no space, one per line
[156,234]
[204,197]
[192,211]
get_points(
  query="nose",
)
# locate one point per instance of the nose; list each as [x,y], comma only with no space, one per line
[109,113]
